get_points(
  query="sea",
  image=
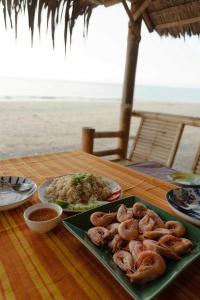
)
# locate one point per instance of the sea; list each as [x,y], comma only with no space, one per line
[19,89]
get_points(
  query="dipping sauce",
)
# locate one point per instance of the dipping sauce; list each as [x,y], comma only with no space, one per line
[43,214]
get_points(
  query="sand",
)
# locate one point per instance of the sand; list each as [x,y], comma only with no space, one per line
[30,128]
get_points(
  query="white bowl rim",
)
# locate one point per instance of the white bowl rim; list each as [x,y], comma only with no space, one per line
[37,206]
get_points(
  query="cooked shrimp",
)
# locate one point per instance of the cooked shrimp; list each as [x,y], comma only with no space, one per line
[146,224]
[98,235]
[158,221]
[128,229]
[124,260]
[113,229]
[99,218]
[116,243]
[139,210]
[156,233]
[140,237]
[179,245]
[150,221]
[150,265]
[176,228]
[135,248]
[124,213]
[163,251]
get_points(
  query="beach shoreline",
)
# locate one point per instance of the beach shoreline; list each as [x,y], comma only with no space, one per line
[37,127]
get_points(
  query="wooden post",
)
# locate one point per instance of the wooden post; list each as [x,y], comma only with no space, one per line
[129,82]
[88,139]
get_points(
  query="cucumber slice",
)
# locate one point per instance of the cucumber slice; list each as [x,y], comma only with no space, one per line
[79,206]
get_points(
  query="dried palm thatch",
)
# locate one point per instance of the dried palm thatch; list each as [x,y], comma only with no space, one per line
[167,17]
[175,17]
[56,10]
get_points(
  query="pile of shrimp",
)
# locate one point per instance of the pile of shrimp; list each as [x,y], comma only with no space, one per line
[139,240]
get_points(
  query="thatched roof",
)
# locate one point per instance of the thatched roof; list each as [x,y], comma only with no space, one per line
[56,10]
[170,17]
[175,17]
[167,17]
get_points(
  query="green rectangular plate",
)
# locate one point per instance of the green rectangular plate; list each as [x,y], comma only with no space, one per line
[79,224]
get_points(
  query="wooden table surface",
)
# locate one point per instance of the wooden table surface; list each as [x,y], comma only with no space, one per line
[56,265]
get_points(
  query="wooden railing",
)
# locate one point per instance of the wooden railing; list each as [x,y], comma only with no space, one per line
[90,134]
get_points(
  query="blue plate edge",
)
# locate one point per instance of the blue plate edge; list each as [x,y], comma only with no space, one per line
[176,207]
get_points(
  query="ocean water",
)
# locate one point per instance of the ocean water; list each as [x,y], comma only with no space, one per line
[37,89]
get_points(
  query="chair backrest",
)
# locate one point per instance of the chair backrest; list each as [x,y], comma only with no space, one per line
[157,139]
[196,164]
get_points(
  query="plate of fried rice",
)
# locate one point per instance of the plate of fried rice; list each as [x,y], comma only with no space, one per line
[78,192]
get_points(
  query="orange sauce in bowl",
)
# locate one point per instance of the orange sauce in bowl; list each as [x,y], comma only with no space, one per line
[43,214]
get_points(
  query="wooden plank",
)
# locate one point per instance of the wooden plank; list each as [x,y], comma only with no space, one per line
[152,148]
[148,22]
[139,12]
[178,23]
[88,139]
[153,134]
[107,152]
[196,163]
[107,134]
[191,121]
[160,139]
[175,146]
[162,130]
[148,145]
[160,122]
[155,130]
[153,153]
[135,140]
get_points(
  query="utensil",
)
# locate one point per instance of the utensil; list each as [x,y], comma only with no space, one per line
[15,191]
[79,224]
[17,187]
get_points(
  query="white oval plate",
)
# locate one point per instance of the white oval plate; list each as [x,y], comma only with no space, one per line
[9,198]
[115,187]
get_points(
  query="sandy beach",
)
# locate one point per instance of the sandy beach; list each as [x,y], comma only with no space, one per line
[34,127]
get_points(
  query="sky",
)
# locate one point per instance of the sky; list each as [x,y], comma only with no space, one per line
[101,56]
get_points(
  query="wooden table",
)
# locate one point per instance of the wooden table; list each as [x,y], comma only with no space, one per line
[55,265]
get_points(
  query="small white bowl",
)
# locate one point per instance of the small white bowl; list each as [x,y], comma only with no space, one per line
[43,226]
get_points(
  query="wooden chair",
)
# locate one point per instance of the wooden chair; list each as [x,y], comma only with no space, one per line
[196,164]
[157,138]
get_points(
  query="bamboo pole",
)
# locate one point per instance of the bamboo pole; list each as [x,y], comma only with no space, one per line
[129,83]
[88,139]
[139,12]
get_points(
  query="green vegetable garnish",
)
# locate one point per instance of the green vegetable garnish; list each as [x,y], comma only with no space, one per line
[62,203]
[79,178]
